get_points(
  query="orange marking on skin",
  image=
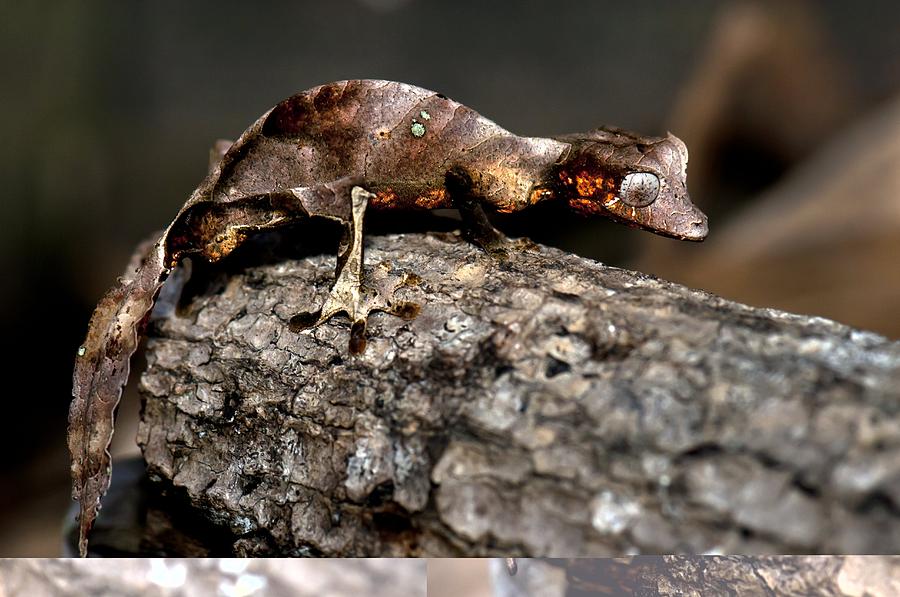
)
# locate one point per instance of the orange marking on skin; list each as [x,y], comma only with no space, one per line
[610,200]
[588,185]
[585,206]
[385,198]
[538,195]
[432,199]
[224,244]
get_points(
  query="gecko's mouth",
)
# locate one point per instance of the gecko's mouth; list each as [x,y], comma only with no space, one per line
[694,231]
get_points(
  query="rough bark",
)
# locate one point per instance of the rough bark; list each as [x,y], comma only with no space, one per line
[546,405]
[658,576]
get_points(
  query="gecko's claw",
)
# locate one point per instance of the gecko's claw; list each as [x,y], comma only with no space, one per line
[358,337]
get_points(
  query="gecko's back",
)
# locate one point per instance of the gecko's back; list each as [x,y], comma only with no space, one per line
[399,138]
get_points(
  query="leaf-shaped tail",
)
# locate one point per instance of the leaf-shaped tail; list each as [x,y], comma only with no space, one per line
[101,371]
[211,229]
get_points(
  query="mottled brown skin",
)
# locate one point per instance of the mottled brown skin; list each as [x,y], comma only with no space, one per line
[364,131]
[590,176]
[332,151]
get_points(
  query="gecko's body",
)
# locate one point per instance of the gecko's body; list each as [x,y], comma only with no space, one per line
[400,142]
[399,139]
[331,152]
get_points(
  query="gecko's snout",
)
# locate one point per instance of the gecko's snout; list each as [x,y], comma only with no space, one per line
[698,228]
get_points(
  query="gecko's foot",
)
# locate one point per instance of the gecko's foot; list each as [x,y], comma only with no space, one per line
[360,303]
[502,248]
[349,296]
[495,243]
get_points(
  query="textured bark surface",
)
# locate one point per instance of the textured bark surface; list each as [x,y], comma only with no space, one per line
[656,576]
[548,405]
[208,577]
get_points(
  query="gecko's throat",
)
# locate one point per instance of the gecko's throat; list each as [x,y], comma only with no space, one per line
[693,226]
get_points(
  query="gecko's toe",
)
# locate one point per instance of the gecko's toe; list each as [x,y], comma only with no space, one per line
[525,244]
[503,249]
[358,337]
[500,254]
[405,310]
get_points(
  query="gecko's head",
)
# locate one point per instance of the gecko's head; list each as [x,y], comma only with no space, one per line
[639,181]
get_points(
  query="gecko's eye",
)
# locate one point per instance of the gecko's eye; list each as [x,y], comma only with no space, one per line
[639,189]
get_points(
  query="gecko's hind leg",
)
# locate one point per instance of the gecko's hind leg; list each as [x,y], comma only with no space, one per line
[348,295]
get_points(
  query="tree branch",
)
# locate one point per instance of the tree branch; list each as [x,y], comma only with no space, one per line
[548,405]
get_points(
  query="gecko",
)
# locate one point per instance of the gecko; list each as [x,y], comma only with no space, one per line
[333,152]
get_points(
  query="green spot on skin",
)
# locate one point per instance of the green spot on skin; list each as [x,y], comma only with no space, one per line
[417,129]
[81,351]
[425,115]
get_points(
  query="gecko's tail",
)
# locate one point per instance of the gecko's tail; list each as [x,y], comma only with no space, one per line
[101,371]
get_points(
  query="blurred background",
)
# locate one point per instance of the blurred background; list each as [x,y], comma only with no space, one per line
[790,109]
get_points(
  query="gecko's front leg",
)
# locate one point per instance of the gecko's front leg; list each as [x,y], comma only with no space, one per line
[476,226]
[348,294]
